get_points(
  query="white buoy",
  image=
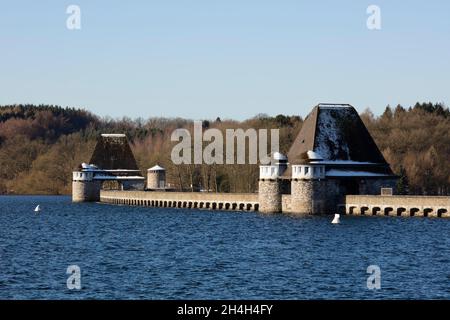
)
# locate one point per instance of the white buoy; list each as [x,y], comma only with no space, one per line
[337,218]
[37,209]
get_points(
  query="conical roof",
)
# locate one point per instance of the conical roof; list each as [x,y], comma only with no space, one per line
[338,135]
[113,152]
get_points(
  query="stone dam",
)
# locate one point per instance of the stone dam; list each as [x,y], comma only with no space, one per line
[361,205]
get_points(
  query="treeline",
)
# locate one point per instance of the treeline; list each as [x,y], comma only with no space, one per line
[416,142]
[41,145]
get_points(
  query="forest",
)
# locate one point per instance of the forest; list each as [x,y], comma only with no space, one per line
[41,145]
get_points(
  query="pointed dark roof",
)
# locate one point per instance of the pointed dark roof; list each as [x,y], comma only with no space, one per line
[113,152]
[338,135]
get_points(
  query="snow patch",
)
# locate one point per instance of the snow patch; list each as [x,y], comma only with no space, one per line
[348,173]
[329,140]
[314,155]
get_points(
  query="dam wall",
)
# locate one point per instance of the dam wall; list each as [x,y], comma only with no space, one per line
[359,205]
[190,200]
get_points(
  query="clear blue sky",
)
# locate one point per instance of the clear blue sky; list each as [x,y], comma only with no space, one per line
[229,58]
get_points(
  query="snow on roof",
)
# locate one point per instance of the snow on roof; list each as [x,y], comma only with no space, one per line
[329,141]
[279,156]
[113,135]
[333,105]
[89,166]
[348,173]
[156,168]
[103,177]
[344,162]
[314,155]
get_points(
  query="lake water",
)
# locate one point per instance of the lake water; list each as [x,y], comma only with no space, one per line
[148,253]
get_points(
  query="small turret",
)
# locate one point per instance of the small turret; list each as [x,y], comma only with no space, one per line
[84,187]
[156,178]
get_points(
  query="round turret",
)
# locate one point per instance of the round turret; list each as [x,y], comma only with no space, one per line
[84,187]
[156,178]
[308,184]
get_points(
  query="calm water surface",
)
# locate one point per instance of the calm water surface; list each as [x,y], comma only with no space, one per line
[145,253]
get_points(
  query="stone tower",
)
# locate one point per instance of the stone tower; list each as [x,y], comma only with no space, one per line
[308,186]
[270,184]
[84,187]
[156,178]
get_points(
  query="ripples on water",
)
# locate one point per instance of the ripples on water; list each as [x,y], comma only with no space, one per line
[146,253]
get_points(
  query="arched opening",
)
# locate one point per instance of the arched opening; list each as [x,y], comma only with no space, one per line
[427,212]
[190,205]
[441,212]
[201,205]
[207,205]
[376,211]
[352,210]
[401,211]
[234,206]
[414,211]
[180,204]
[165,204]
[256,207]
[227,206]
[241,206]
[364,210]
[184,204]
[195,205]
[249,206]
[388,211]
[220,206]
[214,206]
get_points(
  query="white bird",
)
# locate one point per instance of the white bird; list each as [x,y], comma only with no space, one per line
[37,209]
[337,218]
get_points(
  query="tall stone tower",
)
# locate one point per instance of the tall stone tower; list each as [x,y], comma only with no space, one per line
[270,184]
[308,186]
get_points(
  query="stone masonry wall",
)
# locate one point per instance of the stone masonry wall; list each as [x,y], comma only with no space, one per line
[85,191]
[315,196]
[269,196]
